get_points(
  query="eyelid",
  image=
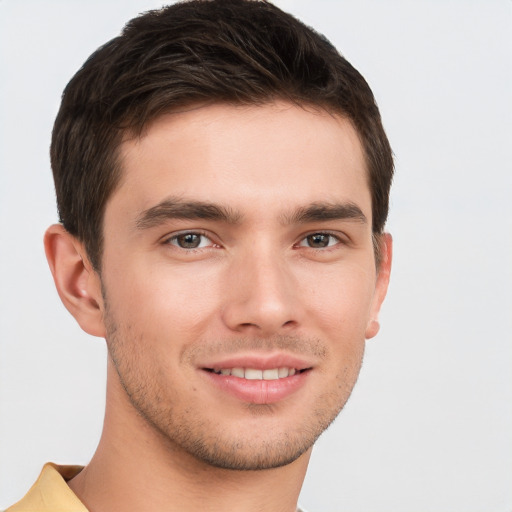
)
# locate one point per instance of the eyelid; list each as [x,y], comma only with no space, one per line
[340,237]
[169,238]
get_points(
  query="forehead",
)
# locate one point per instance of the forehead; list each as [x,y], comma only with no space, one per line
[245,156]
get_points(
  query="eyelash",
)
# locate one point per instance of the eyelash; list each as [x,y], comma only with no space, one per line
[336,238]
[173,240]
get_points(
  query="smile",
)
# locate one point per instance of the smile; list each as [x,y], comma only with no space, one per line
[256,374]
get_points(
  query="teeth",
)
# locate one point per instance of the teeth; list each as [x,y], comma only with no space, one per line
[255,374]
[238,372]
[283,372]
[251,374]
[270,374]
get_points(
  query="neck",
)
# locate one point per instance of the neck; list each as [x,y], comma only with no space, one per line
[136,468]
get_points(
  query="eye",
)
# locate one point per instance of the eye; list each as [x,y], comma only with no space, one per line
[319,241]
[190,241]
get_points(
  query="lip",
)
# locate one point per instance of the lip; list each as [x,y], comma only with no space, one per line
[258,391]
[258,361]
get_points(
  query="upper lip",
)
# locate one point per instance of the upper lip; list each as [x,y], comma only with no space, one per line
[258,361]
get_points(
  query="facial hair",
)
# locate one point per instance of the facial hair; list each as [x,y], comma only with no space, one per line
[181,424]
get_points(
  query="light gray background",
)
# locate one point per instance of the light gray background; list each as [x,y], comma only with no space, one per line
[429,426]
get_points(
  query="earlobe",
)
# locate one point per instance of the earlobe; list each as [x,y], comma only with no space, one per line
[372,329]
[381,285]
[78,285]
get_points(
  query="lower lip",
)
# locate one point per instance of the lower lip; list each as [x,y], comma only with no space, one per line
[258,391]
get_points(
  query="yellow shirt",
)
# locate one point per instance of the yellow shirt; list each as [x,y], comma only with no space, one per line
[51,493]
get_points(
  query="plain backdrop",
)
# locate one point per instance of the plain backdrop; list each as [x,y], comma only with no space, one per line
[429,425]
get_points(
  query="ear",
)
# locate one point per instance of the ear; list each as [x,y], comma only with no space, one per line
[381,285]
[77,283]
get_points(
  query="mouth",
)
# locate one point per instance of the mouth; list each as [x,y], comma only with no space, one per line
[258,374]
[258,379]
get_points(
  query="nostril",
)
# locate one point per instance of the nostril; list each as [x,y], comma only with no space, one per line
[289,323]
[261,312]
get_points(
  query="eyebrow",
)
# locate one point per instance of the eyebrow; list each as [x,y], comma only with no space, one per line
[319,211]
[177,208]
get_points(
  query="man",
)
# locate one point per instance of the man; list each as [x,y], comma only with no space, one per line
[222,179]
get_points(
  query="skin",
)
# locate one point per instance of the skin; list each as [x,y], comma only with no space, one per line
[284,268]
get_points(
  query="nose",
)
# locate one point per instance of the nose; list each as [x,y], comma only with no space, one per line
[261,297]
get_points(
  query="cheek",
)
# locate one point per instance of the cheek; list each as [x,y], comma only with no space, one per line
[339,305]
[340,301]
[163,302]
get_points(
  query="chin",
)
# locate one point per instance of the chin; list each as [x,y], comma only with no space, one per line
[255,457]
[250,448]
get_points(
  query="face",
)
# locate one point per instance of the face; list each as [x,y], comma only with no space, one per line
[239,279]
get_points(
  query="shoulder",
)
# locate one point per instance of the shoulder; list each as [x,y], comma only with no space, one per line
[50,493]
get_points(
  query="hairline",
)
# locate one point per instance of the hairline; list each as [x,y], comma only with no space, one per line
[134,131]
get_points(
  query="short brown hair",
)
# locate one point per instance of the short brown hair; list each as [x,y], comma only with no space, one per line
[200,51]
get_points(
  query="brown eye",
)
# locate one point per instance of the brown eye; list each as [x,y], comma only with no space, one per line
[319,240]
[190,241]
